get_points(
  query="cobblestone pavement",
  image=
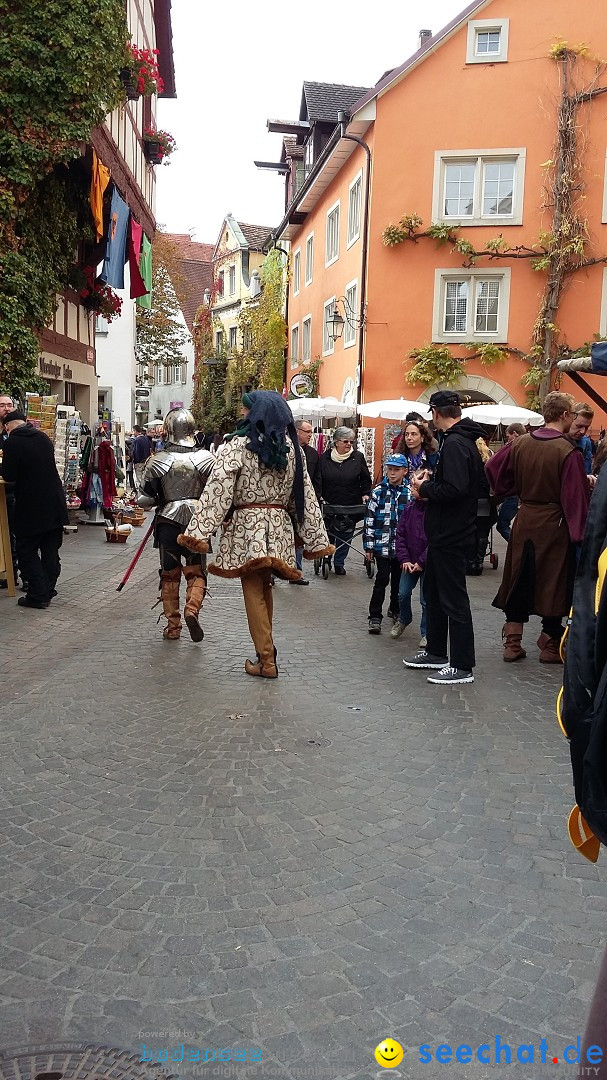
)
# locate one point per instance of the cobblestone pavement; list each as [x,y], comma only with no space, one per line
[307,865]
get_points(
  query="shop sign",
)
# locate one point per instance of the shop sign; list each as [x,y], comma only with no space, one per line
[176,405]
[50,369]
[301,385]
[67,372]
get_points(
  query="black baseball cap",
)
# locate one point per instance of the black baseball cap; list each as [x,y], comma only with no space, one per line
[443,398]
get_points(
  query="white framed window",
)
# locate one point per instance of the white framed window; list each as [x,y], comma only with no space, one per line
[306,340]
[296,272]
[355,198]
[479,187]
[232,280]
[309,259]
[295,346]
[332,235]
[221,282]
[487,41]
[233,338]
[168,374]
[351,314]
[471,305]
[160,375]
[218,342]
[328,345]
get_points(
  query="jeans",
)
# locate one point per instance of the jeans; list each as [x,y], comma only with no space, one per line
[39,563]
[407,584]
[341,540]
[448,606]
[506,513]
[388,573]
[299,558]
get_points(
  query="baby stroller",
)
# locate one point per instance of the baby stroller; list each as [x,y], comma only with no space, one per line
[339,519]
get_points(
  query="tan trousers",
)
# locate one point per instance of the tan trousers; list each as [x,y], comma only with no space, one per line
[259,606]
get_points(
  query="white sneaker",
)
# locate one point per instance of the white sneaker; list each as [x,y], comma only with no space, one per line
[422,642]
[397,629]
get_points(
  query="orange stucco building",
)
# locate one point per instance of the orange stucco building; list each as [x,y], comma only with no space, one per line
[461,134]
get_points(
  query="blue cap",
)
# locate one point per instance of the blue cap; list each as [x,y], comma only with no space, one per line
[401,460]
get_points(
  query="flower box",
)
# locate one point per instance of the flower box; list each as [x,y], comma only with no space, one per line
[129,81]
[153,151]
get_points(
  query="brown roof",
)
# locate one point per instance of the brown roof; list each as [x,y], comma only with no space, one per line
[255,235]
[195,263]
[191,249]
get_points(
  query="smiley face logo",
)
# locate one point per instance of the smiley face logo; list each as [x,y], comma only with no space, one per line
[389,1053]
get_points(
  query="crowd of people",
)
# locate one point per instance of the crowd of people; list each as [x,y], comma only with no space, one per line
[275,500]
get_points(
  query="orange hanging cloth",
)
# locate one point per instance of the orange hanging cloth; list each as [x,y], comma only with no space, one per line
[99,181]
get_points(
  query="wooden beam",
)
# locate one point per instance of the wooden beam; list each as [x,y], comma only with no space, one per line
[289,127]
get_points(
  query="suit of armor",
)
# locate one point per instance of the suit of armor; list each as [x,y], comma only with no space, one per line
[173,481]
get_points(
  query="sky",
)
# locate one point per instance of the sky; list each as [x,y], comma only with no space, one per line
[238,65]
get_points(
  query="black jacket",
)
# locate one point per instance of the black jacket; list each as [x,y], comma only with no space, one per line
[29,463]
[344,483]
[453,492]
[313,463]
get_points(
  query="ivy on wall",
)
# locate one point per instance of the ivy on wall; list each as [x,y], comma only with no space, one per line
[59,77]
[260,362]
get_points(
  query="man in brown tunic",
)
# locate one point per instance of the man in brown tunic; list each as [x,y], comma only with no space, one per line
[547,472]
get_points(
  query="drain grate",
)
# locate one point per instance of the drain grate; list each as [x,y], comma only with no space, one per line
[74,1061]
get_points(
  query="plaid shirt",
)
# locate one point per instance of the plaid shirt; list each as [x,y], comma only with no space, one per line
[386,504]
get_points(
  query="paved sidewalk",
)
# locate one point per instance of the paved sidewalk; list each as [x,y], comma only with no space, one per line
[307,865]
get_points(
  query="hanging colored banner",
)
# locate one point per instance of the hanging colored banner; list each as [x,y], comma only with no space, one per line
[138,285]
[145,269]
[115,255]
[100,179]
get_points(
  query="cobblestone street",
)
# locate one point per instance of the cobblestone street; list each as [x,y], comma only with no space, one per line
[306,866]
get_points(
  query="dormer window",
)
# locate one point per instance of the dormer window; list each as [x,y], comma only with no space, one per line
[309,155]
[487,41]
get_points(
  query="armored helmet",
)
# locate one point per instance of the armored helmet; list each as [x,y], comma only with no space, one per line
[180,426]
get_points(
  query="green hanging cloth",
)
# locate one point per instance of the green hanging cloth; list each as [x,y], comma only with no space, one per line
[145,269]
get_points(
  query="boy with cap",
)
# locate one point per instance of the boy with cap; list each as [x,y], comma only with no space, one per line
[450,521]
[386,503]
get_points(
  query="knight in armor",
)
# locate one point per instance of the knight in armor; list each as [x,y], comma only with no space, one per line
[173,481]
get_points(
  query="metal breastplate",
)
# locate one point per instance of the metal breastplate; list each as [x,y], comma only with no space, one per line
[181,474]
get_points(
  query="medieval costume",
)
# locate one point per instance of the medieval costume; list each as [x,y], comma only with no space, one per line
[262,494]
[173,480]
[547,472]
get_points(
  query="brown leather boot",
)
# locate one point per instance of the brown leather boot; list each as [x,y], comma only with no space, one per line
[257,595]
[258,668]
[512,634]
[196,587]
[543,640]
[169,594]
[550,653]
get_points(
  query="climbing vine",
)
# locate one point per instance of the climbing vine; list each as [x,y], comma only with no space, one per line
[263,331]
[210,406]
[59,77]
[558,253]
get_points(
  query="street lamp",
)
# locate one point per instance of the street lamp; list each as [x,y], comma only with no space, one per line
[335,323]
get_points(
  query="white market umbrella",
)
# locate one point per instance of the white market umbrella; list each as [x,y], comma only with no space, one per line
[396,409]
[502,414]
[320,408]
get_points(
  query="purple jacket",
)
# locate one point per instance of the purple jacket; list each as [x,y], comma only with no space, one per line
[411,539]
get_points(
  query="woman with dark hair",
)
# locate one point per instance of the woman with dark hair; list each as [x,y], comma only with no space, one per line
[263,495]
[419,446]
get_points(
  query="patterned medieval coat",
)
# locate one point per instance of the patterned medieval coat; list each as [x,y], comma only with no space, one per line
[260,509]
